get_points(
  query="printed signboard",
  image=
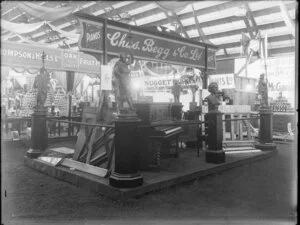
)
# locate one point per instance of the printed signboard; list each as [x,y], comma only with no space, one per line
[225,81]
[91,38]
[146,45]
[29,56]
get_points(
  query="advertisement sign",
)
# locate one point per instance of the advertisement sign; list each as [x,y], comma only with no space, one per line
[29,56]
[106,77]
[143,45]
[91,38]
[225,81]
[154,48]
[211,58]
[280,75]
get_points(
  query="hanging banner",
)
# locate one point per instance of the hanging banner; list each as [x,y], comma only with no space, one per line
[144,44]
[106,77]
[29,56]
[225,81]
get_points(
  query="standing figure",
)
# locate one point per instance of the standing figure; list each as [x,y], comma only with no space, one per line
[41,84]
[176,89]
[263,91]
[122,82]
[213,99]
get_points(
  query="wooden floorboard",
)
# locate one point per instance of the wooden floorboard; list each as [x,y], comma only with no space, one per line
[173,172]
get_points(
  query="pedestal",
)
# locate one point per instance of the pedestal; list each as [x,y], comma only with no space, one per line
[266,130]
[126,174]
[176,111]
[39,134]
[215,153]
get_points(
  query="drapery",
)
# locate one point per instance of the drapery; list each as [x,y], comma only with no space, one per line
[36,43]
[4,72]
[20,28]
[61,77]
[45,13]
[70,35]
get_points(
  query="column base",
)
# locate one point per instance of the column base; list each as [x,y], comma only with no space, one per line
[216,157]
[125,180]
[265,146]
[34,153]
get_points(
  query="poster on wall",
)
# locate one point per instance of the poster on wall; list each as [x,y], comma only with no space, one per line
[224,81]
[280,75]
[106,77]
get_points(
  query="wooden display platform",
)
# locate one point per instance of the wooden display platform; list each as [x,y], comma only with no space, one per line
[172,172]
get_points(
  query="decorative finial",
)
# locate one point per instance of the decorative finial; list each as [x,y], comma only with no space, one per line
[43,58]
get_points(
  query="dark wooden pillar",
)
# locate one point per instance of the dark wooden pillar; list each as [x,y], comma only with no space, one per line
[126,174]
[266,130]
[215,153]
[39,134]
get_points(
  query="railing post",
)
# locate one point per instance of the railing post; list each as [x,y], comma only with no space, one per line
[215,152]
[266,130]
[39,134]
[125,174]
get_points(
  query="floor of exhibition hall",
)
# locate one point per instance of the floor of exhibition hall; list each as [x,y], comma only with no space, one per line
[263,190]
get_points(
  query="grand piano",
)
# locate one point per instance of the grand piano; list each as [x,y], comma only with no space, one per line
[157,141]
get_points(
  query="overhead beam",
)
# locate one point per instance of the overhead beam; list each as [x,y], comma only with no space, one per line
[229,19]
[244,30]
[126,8]
[199,12]
[251,18]
[199,29]
[287,19]
[173,17]
[271,52]
[270,40]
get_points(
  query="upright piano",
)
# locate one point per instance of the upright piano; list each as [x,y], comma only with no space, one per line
[156,141]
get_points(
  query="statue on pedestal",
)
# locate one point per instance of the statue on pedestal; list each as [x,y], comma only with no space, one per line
[213,99]
[41,84]
[263,90]
[176,89]
[122,82]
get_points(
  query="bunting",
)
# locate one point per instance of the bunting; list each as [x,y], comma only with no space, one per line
[20,28]
[45,13]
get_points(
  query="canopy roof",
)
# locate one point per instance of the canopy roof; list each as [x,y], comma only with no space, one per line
[221,23]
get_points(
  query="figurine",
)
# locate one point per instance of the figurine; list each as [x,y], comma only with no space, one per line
[176,89]
[122,82]
[41,84]
[213,99]
[263,91]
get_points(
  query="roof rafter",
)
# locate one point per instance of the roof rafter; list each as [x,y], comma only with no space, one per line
[173,16]
[270,40]
[287,19]
[199,12]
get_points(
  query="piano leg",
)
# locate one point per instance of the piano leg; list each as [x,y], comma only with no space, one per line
[176,144]
[156,151]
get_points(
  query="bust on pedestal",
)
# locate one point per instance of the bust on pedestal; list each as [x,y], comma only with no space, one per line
[213,119]
[125,174]
[39,134]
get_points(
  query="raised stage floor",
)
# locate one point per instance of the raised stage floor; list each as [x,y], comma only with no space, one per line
[173,171]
